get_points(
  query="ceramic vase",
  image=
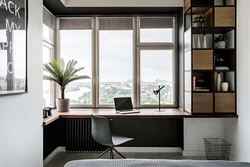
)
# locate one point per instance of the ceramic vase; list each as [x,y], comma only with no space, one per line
[218,82]
[224,86]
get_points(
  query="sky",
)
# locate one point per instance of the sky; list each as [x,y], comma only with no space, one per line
[116,54]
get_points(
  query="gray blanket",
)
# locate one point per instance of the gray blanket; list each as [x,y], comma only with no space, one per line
[153,163]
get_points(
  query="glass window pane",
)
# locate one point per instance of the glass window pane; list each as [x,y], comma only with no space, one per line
[47,85]
[47,33]
[156,69]
[159,35]
[116,65]
[77,45]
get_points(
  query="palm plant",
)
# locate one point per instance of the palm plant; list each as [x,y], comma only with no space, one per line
[62,76]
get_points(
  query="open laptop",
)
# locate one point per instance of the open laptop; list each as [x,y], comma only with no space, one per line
[123,105]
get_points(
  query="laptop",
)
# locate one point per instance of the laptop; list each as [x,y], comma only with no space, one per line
[123,105]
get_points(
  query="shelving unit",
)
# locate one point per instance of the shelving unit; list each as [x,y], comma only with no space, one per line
[203,60]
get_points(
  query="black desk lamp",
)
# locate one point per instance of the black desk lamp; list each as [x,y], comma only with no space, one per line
[158,92]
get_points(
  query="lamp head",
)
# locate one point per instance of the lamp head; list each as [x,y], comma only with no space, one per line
[157,91]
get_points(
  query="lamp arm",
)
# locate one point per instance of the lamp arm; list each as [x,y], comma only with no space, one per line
[161,88]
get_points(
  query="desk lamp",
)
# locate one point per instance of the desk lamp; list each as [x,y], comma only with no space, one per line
[158,92]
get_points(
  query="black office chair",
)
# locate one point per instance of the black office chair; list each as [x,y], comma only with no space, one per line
[101,132]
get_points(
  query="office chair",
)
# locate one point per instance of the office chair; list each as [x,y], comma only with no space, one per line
[101,132]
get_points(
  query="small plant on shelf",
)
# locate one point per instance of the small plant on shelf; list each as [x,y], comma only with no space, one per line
[220,41]
[198,20]
[219,61]
[200,83]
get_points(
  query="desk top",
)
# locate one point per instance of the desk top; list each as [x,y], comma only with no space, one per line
[144,113]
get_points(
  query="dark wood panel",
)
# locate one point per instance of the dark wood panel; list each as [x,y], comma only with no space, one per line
[209,18]
[224,16]
[202,59]
[150,132]
[202,103]
[50,138]
[225,102]
[187,5]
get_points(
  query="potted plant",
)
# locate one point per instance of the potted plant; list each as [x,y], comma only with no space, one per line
[220,41]
[62,76]
[200,83]
[219,61]
[198,20]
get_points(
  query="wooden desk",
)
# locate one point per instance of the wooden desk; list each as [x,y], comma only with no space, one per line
[166,128]
[144,113]
[111,113]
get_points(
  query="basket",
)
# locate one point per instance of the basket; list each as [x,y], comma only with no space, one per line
[217,149]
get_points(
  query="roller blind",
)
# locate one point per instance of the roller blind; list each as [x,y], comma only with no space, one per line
[115,23]
[48,19]
[75,24]
[154,22]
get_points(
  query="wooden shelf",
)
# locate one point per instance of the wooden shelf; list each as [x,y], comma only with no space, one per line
[224,70]
[202,30]
[224,91]
[223,30]
[200,9]
[202,92]
[220,19]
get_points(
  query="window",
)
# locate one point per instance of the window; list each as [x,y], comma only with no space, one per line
[125,57]
[156,30]
[76,43]
[115,59]
[156,60]
[47,85]
[48,54]
[156,68]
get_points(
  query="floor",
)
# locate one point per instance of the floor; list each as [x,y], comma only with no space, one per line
[62,158]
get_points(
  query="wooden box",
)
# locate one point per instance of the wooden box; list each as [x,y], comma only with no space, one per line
[202,60]
[202,103]
[224,16]
[225,102]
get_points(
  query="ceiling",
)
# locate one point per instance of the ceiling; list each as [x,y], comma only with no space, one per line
[58,9]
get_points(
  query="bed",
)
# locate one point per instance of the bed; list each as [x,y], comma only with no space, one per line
[153,163]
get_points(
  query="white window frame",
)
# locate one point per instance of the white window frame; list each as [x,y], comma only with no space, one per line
[51,45]
[156,46]
[136,61]
[93,61]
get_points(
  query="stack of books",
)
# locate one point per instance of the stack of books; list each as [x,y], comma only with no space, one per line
[202,89]
[197,88]
[222,68]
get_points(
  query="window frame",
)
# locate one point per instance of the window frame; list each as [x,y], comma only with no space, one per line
[137,46]
[93,61]
[51,44]
[98,105]
[156,46]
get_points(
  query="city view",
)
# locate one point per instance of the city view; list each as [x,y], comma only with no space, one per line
[81,93]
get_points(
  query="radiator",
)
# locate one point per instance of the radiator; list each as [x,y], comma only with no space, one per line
[78,137]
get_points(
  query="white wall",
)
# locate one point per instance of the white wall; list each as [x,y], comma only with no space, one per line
[195,129]
[238,131]
[21,135]
[123,3]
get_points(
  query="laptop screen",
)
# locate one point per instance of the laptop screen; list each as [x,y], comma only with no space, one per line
[123,103]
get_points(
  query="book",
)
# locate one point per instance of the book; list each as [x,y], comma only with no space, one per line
[194,83]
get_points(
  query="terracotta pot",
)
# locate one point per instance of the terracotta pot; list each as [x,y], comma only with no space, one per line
[62,105]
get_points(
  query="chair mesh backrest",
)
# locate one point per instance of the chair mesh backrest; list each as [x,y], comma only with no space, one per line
[100,130]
